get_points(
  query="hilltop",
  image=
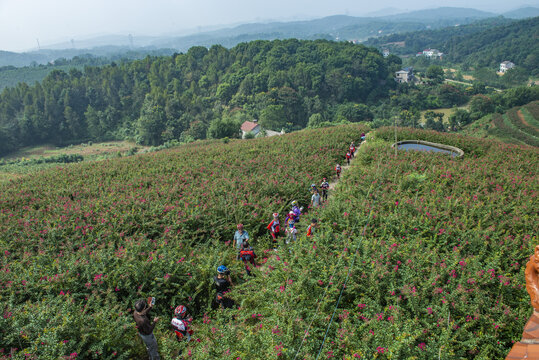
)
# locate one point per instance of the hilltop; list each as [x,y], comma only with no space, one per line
[434,248]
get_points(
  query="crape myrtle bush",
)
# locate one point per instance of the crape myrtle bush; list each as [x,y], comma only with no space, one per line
[439,273]
[80,244]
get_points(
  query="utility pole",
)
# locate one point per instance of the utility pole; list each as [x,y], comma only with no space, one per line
[38,47]
[395,127]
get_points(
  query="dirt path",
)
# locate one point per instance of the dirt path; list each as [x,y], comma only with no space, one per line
[335,180]
[521,117]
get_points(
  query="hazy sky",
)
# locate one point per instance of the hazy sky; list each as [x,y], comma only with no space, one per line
[24,21]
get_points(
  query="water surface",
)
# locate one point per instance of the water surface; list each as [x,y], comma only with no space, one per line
[422,147]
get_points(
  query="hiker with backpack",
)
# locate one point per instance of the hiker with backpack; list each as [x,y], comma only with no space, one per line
[223,283]
[248,256]
[348,157]
[312,227]
[352,149]
[296,210]
[291,232]
[325,188]
[338,170]
[274,229]
[180,324]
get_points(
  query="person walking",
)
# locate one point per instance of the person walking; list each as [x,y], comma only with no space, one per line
[240,236]
[296,210]
[312,227]
[248,256]
[348,157]
[291,232]
[325,188]
[274,229]
[315,199]
[145,327]
[338,170]
[180,323]
[223,283]
[352,149]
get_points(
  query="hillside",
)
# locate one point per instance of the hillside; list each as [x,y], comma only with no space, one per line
[516,42]
[205,92]
[412,42]
[429,248]
[482,44]
[141,238]
[519,125]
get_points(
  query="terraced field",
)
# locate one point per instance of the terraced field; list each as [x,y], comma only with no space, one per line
[519,125]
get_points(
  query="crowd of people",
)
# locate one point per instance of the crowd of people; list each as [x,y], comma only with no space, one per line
[181,321]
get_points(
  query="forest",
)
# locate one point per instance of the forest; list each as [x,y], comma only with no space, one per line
[191,95]
[485,43]
[207,93]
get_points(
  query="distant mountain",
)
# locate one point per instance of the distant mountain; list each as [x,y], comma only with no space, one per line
[104,41]
[8,58]
[522,13]
[338,27]
[113,53]
[386,12]
[442,13]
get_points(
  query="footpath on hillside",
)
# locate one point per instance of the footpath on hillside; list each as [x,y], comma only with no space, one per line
[336,179]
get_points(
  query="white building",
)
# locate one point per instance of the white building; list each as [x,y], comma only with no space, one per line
[432,53]
[506,65]
[405,75]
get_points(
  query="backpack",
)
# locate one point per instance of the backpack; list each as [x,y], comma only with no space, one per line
[247,255]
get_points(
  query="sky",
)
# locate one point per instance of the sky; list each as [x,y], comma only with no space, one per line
[55,21]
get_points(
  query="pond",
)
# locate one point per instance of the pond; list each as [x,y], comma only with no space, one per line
[419,145]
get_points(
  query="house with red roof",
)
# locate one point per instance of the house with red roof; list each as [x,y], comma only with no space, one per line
[250,127]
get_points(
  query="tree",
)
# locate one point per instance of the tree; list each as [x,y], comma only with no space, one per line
[151,123]
[315,120]
[410,117]
[481,105]
[223,127]
[273,117]
[458,119]
[435,74]
[354,112]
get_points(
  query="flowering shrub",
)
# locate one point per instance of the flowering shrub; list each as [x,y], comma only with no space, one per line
[438,274]
[80,244]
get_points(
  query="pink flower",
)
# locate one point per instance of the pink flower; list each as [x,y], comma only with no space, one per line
[381,350]
[361,306]
[422,346]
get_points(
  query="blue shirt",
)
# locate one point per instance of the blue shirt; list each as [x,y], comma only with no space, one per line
[239,238]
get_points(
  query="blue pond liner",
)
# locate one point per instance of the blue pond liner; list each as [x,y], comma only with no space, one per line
[423,147]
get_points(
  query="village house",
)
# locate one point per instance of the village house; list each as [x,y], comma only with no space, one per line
[506,65]
[385,52]
[405,75]
[431,53]
[249,127]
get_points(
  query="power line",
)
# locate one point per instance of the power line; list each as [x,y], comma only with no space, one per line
[349,270]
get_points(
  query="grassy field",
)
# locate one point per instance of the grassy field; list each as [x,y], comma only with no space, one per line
[19,164]
[82,149]
[446,111]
